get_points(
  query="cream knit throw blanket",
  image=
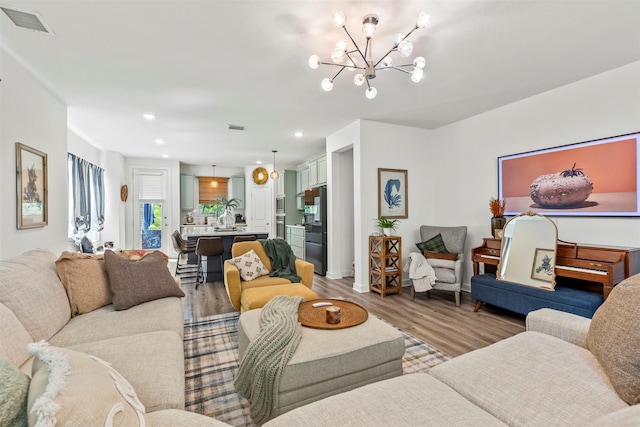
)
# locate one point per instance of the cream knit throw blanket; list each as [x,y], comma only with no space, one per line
[258,378]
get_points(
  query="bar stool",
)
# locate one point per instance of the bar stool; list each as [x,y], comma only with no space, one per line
[208,247]
[181,246]
[249,238]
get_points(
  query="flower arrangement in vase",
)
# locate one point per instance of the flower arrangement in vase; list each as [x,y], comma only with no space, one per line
[497,208]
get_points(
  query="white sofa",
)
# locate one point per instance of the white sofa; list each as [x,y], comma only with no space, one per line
[565,370]
[143,343]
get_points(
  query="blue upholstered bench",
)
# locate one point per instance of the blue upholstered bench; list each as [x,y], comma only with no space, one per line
[523,299]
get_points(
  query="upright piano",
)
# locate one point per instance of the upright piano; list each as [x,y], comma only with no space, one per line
[596,268]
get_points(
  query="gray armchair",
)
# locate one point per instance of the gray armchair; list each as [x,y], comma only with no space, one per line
[448,279]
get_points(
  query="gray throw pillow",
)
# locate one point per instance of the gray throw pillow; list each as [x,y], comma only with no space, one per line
[134,282]
[434,244]
[13,395]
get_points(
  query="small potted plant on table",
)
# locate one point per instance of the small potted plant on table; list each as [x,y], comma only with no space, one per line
[387,225]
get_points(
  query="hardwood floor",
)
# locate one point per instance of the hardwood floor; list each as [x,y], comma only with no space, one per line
[433,318]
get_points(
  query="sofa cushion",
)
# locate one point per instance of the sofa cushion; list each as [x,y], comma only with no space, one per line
[415,399]
[437,255]
[31,289]
[152,362]
[133,282]
[174,417]
[258,297]
[106,322]
[614,335]
[249,266]
[13,338]
[85,279]
[71,388]
[13,395]
[533,379]
[434,244]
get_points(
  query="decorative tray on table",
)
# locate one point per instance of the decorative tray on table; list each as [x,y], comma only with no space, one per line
[351,313]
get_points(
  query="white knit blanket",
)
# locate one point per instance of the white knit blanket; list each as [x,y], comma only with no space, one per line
[422,275]
[258,378]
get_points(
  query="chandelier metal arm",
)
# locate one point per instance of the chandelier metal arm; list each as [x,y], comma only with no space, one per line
[340,65]
[338,73]
[355,44]
[395,46]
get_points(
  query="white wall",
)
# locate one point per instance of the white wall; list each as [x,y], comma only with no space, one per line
[605,105]
[452,171]
[377,145]
[32,115]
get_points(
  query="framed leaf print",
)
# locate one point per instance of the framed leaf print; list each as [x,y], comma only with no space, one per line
[31,183]
[392,193]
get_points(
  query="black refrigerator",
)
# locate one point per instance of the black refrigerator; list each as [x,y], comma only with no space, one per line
[315,225]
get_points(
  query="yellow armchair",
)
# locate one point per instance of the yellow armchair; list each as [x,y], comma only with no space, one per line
[256,293]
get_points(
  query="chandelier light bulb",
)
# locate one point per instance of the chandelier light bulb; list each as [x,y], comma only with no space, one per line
[371,93]
[314,61]
[327,84]
[369,23]
[352,64]
[358,79]
[423,20]
[339,19]
[337,56]
[342,45]
[419,62]
[405,48]
[416,75]
[387,62]
[398,38]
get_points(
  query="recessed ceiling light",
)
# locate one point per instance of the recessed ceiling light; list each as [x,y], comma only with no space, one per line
[159,141]
[259,162]
[149,116]
[299,134]
[165,156]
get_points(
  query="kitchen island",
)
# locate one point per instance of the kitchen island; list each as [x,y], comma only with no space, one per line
[212,269]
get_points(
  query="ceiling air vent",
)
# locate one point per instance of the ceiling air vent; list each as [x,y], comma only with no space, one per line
[29,20]
[237,127]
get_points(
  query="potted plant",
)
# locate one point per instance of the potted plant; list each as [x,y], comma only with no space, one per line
[387,225]
[227,218]
[497,208]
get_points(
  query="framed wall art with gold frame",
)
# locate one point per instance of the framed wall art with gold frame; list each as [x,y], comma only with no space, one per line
[31,185]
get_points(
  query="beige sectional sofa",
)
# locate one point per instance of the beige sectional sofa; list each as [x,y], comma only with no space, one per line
[565,370]
[143,343]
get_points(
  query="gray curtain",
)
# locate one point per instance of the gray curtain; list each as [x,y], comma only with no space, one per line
[87,183]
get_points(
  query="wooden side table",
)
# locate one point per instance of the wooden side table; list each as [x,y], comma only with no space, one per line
[385,265]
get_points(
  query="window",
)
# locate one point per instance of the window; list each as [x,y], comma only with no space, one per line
[86,198]
[210,197]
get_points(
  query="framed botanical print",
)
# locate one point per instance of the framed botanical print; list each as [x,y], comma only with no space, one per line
[31,183]
[392,193]
[542,268]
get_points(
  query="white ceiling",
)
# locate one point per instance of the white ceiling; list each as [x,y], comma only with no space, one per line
[202,65]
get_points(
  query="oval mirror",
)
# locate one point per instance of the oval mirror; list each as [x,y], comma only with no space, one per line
[528,255]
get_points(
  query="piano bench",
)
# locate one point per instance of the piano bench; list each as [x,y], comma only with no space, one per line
[485,288]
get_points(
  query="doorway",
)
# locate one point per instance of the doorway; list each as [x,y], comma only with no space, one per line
[151,216]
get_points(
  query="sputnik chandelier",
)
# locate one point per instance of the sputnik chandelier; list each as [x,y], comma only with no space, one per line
[349,58]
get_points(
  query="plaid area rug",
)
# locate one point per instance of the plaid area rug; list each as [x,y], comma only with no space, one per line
[211,362]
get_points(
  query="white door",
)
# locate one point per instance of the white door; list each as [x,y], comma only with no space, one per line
[261,209]
[151,216]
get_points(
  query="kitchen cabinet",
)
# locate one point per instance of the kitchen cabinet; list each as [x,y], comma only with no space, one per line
[237,190]
[295,238]
[280,182]
[186,192]
[318,172]
[304,180]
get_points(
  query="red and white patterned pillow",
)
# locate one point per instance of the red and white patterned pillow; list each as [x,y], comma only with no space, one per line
[249,266]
